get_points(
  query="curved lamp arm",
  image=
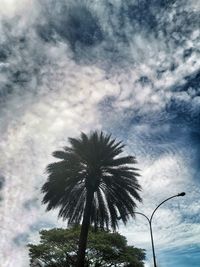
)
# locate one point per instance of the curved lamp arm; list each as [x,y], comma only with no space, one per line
[150,221]
[142,215]
[178,195]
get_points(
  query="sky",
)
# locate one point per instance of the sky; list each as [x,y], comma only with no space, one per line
[129,68]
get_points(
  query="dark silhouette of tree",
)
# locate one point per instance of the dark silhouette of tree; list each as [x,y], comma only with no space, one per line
[58,247]
[92,183]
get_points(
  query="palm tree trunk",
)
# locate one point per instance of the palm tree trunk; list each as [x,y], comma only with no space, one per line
[84,229]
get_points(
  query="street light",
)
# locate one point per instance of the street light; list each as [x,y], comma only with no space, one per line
[150,222]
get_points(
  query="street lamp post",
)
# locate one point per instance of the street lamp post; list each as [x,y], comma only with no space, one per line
[150,222]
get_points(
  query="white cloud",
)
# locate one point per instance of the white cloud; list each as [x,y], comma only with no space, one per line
[66,97]
[12,8]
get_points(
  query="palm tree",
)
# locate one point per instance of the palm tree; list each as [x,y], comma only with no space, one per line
[93,184]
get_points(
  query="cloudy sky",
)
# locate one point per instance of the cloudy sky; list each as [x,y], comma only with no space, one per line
[128,67]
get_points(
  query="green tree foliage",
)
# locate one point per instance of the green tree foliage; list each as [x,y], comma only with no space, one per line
[58,248]
[92,184]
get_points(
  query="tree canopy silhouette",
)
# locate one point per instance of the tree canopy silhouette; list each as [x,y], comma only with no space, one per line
[58,248]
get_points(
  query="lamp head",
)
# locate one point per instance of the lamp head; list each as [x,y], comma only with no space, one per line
[181,194]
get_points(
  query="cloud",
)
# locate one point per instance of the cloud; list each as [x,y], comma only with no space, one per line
[76,24]
[2,185]
[21,239]
[128,68]
[2,182]
[31,203]
[10,8]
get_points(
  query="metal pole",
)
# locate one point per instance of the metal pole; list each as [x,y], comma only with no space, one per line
[151,234]
[150,223]
[152,243]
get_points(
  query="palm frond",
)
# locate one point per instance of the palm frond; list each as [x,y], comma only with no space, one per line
[93,163]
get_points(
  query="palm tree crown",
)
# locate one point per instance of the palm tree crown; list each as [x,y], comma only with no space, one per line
[92,164]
